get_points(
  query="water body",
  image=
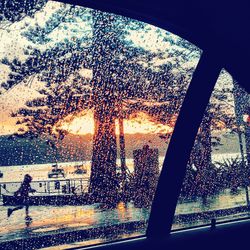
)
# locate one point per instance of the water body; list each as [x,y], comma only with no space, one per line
[39,172]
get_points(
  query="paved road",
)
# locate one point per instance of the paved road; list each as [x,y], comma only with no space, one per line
[53,219]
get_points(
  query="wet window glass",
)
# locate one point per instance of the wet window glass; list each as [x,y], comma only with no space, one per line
[216,185]
[88,102]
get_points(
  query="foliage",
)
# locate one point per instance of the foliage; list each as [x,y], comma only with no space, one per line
[235,173]
[201,183]
[126,78]
[136,81]
[15,10]
[231,173]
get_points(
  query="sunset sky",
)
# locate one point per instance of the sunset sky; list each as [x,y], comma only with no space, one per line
[82,124]
[14,99]
[13,46]
[139,124]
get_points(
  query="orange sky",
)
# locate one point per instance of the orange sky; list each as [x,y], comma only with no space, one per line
[140,124]
[82,124]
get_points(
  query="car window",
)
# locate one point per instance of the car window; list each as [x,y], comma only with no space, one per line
[216,185]
[88,104]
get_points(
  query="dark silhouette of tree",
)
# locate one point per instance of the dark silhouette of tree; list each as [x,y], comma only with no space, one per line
[120,77]
[235,173]
[122,73]
[15,10]
[219,116]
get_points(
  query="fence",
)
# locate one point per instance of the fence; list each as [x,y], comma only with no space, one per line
[56,186]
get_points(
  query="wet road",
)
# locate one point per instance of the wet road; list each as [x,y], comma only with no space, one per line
[55,219]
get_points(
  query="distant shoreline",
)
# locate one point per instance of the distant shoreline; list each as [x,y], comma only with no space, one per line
[227,155]
[22,151]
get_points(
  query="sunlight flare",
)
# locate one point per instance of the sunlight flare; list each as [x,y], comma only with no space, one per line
[140,123]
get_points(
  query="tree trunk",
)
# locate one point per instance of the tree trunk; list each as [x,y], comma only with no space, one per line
[122,147]
[205,158]
[242,103]
[103,181]
[247,138]
[122,144]
[201,155]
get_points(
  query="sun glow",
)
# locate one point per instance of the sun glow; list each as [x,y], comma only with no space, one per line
[140,123]
[79,125]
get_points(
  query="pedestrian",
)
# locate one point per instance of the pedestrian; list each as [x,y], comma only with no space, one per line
[23,194]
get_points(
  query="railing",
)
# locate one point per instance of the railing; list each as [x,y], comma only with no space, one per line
[56,186]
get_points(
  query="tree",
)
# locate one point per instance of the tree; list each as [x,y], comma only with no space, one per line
[242,104]
[119,77]
[15,10]
[219,116]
